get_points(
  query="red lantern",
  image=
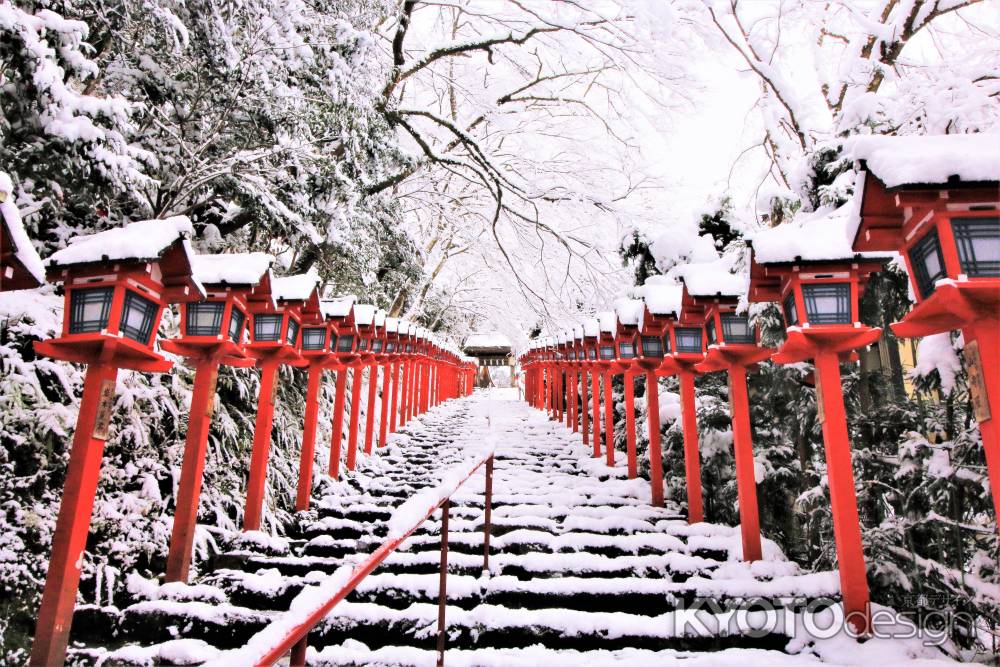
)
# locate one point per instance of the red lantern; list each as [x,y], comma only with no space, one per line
[213,331]
[276,321]
[116,285]
[732,346]
[810,269]
[946,225]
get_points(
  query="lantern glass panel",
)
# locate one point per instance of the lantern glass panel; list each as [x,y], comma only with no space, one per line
[978,241]
[666,343]
[409,347]
[572,355]
[607,352]
[592,353]
[89,309]
[626,349]
[377,345]
[688,339]
[927,263]
[205,319]
[267,328]
[827,303]
[313,338]
[652,346]
[710,332]
[791,312]
[236,321]
[390,347]
[293,332]
[345,344]
[138,314]
[737,329]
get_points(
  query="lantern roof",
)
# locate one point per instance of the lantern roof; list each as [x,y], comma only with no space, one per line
[591,327]
[300,287]
[29,270]
[916,160]
[662,296]
[380,317]
[246,269]
[339,307]
[162,241]
[364,314]
[140,241]
[822,236]
[629,311]
[391,324]
[712,279]
[608,320]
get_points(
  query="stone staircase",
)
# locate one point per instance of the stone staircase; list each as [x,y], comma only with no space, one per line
[582,569]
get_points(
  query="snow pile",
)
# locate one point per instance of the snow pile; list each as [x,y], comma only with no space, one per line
[142,240]
[936,353]
[364,314]
[486,340]
[918,159]
[712,279]
[340,307]
[825,234]
[679,244]
[591,327]
[24,251]
[608,320]
[629,311]
[295,288]
[241,268]
[662,296]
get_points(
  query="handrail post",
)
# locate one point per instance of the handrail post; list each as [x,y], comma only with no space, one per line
[298,657]
[488,502]
[443,585]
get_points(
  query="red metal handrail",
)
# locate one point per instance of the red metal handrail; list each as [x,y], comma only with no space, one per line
[289,633]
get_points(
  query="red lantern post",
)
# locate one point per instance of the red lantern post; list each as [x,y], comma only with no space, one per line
[377,359]
[947,228]
[364,321]
[116,284]
[319,336]
[661,303]
[212,333]
[732,347]
[629,314]
[686,349]
[345,344]
[275,341]
[592,332]
[819,285]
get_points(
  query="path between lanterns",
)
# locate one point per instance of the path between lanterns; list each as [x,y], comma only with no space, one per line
[583,570]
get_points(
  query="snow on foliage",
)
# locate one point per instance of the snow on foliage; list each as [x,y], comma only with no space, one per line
[24,251]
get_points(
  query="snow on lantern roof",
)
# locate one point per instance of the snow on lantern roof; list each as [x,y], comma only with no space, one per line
[295,288]
[340,307]
[929,160]
[662,296]
[712,279]
[364,314]
[629,311]
[486,340]
[591,327]
[246,268]
[608,321]
[144,240]
[578,332]
[380,317]
[391,324]
[826,234]
[24,252]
